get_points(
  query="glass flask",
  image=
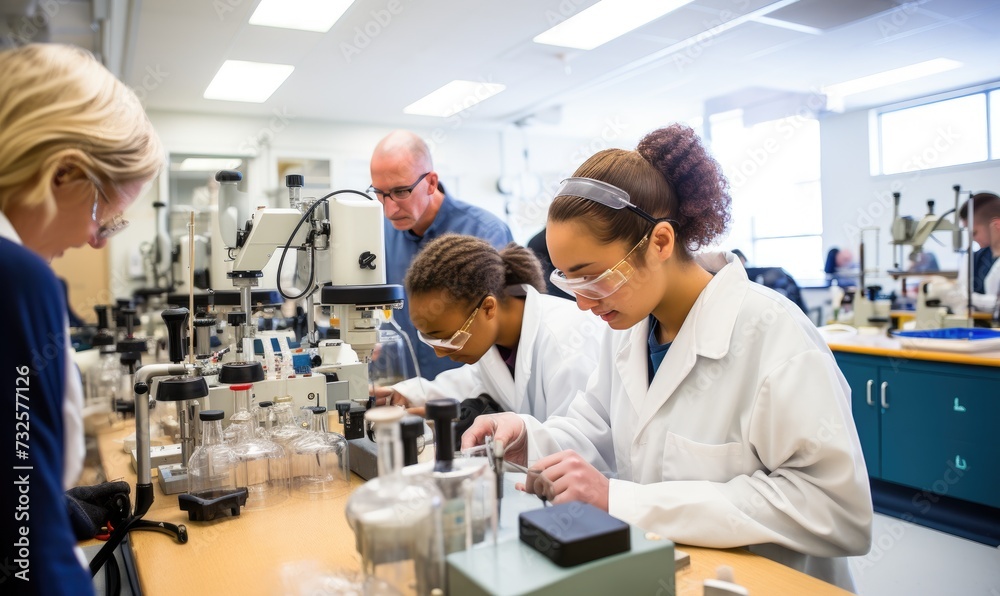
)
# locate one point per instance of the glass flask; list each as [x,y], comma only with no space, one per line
[213,464]
[396,518]
[319,460]
[261,467]
[285,429]
[265,419]
[468,485]
[241,411]
[391,358]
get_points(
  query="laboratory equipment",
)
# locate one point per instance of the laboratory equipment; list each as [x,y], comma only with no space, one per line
[242,416]
[467,484]
[212,474]
[189,388]
[185,392]
[396,518]
[906,231]
[341,243]
[261,466]
[320,467]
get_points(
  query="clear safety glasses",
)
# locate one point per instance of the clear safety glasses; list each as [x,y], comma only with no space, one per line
[107,228]
[457,341]
[613,279]
[604,284]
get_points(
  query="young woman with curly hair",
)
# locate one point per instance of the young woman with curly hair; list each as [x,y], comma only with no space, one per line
[717,415]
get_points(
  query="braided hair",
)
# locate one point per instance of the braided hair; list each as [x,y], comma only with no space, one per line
[469,268]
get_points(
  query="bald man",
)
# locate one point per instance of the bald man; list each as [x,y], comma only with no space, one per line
[418,210]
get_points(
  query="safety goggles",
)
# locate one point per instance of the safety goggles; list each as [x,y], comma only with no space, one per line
[604,284]
[613,279]
[457,341]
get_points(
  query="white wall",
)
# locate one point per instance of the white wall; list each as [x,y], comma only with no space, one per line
[854,199]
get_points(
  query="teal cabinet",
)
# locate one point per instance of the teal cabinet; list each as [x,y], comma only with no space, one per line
[932,426]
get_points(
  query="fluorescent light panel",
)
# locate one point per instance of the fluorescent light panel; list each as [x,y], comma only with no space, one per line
[604,21]
[303,15]
[891,77]
[251,82]
[453,98]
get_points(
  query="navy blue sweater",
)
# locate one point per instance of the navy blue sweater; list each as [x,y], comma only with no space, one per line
[36,556]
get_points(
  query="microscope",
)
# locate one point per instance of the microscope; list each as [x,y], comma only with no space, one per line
[338,242]
[931,312]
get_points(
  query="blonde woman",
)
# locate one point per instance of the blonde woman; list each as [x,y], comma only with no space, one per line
[76,149]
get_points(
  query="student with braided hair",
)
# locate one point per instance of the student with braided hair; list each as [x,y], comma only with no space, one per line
[717,415]
[483,308]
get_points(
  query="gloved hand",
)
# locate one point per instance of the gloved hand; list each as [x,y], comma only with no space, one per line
[565,476]
[506,427]
[90,507]
[387,396]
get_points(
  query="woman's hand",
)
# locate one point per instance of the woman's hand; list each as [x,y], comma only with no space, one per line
[387,396]
[506,427]
[564,477]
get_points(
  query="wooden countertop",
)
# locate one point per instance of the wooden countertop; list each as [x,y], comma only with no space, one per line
[880,345]
[248,554]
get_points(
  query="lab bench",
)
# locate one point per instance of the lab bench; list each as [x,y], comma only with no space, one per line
[246,554]
[927,422]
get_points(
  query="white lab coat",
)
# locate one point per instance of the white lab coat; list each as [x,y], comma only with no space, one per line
[744,437]
[986,302]
[556,354]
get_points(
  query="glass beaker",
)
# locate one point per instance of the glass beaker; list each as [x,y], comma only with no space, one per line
[261,467]
[320,467]
[468,485]
[396,518]
[213,464]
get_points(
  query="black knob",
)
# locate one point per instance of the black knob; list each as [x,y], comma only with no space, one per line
[102,316]
[411,429]
[443,412]
[292,180]
[175,318]
[228,176]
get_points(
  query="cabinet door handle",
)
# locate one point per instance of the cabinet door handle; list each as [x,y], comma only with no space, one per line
[868,392]
[885,404]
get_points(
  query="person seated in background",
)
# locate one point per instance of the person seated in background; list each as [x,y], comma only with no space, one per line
[541,250]
[984,258]
[921,262]
[743,257]
[840,266]
[484,308]
[985,233]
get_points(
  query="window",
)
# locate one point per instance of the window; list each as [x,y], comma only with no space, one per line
[773,169]
[944,130]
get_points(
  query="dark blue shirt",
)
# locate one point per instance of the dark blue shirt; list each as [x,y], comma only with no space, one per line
[657,351]
[37,540]
[982,262]
[402,246]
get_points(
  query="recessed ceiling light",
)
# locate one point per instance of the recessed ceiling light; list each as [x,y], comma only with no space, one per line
[604,21]
[304,15]
[890,77]
[247,81]
[453,98]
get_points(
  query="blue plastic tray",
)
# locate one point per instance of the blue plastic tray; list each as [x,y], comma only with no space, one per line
[952,339]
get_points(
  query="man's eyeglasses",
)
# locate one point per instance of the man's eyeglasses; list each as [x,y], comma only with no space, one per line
[397,194]
[457,341]
[108,227]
